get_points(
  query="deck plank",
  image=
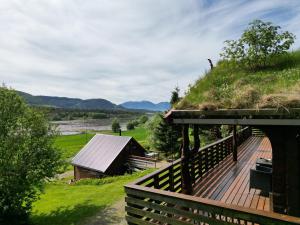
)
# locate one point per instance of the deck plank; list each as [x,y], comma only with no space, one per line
[228,182]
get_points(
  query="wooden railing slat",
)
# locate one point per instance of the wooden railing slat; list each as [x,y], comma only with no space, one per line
[156,216]
[175,211]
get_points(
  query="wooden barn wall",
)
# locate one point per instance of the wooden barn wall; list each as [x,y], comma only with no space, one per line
[81,173]
[118,166]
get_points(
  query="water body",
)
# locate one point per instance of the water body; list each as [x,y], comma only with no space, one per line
[91,125]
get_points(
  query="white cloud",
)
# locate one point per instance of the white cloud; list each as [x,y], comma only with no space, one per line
[122,49]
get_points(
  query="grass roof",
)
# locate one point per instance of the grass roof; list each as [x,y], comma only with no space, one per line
[230,86]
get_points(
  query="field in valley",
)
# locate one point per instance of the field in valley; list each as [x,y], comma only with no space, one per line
[65,204]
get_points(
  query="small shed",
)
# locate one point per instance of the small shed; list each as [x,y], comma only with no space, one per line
[105,155]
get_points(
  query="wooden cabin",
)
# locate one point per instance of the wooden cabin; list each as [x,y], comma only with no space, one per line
[105,155]
[212,184]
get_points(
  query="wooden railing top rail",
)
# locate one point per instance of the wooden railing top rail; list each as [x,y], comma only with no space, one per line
[178,197]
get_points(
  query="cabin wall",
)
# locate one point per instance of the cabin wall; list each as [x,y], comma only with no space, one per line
[81,173]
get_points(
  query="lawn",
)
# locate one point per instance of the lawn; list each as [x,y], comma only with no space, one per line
[139,134]
[71,144]
[64,204]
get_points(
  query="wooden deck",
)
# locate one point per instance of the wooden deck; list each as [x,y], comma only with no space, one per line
[229,181]
[222,184]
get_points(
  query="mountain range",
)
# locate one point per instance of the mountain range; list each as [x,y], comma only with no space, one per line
[99,103]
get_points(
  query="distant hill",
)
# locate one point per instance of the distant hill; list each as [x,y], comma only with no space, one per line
[146,105]
[71,103]
[99,103]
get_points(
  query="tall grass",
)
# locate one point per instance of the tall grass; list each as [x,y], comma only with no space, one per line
[229,85]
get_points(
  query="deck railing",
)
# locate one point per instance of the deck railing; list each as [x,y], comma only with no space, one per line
[169,178]
[156,198]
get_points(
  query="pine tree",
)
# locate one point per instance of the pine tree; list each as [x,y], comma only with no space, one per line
[166,137]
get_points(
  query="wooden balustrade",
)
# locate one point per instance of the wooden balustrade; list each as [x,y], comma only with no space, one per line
[149,206]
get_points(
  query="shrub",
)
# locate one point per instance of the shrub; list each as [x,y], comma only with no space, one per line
[28,156]
[130,125]
[115,126]
[258,44]
[143,119]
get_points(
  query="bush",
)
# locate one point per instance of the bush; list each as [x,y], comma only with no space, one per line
[130,125]
[28,156]
[143,119]
[259,43]
[115,126]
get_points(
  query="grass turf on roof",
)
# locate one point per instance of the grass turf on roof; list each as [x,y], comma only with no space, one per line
[231,86]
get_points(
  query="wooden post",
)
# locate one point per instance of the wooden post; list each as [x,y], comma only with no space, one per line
[234,144]
[292,147]
[196,139]
[185,158]
[171,179]
[279,177]
[194,152]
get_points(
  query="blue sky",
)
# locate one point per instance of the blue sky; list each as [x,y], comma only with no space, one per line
[123,49]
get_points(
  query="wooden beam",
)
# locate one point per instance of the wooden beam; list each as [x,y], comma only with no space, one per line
[224,121]
[185,159]
[279,174]
[281,113]
[234,144]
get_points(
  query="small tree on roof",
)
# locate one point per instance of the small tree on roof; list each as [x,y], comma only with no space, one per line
[175,96]
[258,44]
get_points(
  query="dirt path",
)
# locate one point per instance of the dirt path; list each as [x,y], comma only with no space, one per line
[114,215]
[66,174]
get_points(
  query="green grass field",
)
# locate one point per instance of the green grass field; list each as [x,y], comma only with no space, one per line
[64,204]
[139,134]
